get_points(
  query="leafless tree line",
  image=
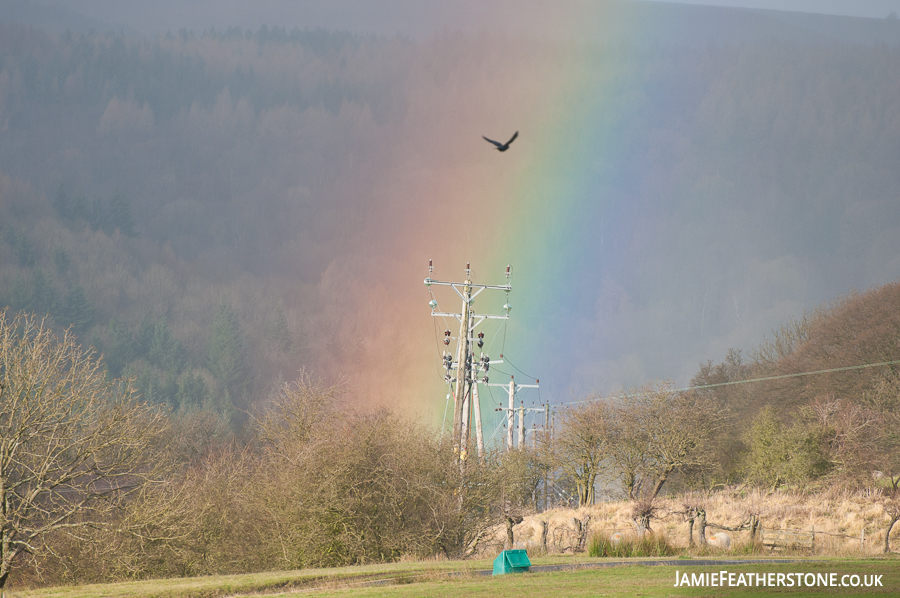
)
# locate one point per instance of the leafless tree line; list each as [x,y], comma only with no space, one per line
[96,485]
[637,441]
[74,446]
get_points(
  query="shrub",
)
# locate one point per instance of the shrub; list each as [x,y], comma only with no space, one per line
[650,544]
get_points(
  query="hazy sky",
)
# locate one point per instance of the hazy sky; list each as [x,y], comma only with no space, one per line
[415,18]
[856,8]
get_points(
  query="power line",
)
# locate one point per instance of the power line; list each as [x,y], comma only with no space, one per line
[734,382]
[506,360]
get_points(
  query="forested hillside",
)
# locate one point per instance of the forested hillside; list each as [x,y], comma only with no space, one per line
[195,204]
[217,212]
[818,400]
[135,174]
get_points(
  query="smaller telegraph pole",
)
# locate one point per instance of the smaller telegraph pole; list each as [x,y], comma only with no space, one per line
[476,407]
[513,388]
[522,427]
[510,415]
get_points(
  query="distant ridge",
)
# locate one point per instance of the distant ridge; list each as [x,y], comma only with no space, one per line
[691,23]
[637,21]
[849,29]
[25,12]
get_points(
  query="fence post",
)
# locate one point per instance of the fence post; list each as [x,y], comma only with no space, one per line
[702,531]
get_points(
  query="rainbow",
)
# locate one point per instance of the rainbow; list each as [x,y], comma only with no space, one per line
[607,292]
[446,195]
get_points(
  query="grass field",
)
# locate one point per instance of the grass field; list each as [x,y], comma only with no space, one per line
[450,579]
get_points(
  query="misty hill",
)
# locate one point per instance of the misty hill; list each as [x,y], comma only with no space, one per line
[672,23]
[861,329]
[665,22]
[828,379]
[848,29]
[58,19]
[841,351]
[199,204]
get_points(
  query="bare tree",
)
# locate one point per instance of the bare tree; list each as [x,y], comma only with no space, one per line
[658,431]
[628,451]
[73,444]
[893,517]
[851,434]
[344,486]
[581,444]
[892,510]
[884,401]
[642,511]
[295,414]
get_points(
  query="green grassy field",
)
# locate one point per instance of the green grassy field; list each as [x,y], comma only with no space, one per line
[448,578]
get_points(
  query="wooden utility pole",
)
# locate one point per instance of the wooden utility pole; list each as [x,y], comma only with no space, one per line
[513,388]
[461,395]
[510,415]
[479,435]
[466,367]
[522,427]
[546,440]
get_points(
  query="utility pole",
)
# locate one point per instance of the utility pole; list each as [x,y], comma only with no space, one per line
[479,435]
[461,394]
[510,415]
[513,388]
[522,427]
[546,439]
[467,367]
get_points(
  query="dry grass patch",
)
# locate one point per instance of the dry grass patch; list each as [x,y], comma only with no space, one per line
[846,524]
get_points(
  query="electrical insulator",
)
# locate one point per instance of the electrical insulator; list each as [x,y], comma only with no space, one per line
[485,379]
[480,339]
[446,341]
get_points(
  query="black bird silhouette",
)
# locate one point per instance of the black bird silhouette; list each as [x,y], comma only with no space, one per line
[502,147]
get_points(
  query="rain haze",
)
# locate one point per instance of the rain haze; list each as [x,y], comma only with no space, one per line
[687,178]
[389,17]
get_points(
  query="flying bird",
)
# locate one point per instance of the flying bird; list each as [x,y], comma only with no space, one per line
[502,147]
